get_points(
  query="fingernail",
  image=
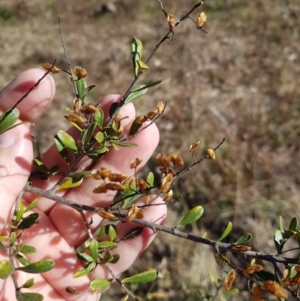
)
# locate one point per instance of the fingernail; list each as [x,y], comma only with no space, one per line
[8,138]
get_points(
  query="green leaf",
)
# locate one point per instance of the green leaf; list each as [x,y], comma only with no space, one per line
[152,84]
[293,224]
[143,277]
[281,224]
[42,266]
[32,297]
[192,216]
[24,261]
[29,221]
[99,118]
[87,90]
[112,232]
[113,108]
[106,244]
[244,239]
[99,285]
[70,183]
[150,179]
[2,246]
[66,140]
[87,134]
[28,249]
[32,205]
[142,66]
[93,248]
[84,257]
[40,166]
[99,150]
[136,54]
[136,92]
[13,238]
[226,231]
[5,269]
[132,233]
[62,150]
[124,143]
[20,211]
[115,259]
[100,137]
[8,118]
[84,272]
[106,258]
[29,283]
[81,88]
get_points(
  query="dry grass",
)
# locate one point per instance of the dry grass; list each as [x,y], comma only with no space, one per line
[240,81]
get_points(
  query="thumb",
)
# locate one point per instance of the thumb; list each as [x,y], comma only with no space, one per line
[15,164]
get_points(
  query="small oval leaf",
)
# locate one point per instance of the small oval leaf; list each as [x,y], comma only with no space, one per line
[93,248]
[143,277]
[193,215]
[226,231]
[28,249]
[29,283]
[29,221]
[5,269]
[8,118]
[244,239]
[42,266]
[293,224]
[99,285]
[32,297]
[67,140]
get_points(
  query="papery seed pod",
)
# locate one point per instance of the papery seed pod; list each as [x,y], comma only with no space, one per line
[88,109]
[193,146]
[171,22]
[168,195]
[100,189]
[132,213]
[276,289]
[258,294]
[135,163]
[51,68]
[229,281]
[179,161]
[211,153]
[73,117]
[79,72]
[201,19]
[117,177]
[130,180]
[167,170]
[285,274]
[106,215]
[160,107]
[161,160]
[240,248]
[142,184]
[166,183]
[140,119]
[140,213]
[150,115]
[297,268]
[114,186]
[253,269]
[101,173]
[292,281]
[77,105]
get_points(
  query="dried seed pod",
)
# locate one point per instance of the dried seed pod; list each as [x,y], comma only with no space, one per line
[88,109]
[106,215]
[160,107]
[211,153]
[77,105]
[193,146]
[253,269]
[114,186]
[75,118]
[117,177]
[171,22]
[166,183]
[201,19]
[101,173]
[276,289]
[150,115]
[240,248]
[140,213]
[258,294]
[51,68]
[100,189]
[135,163]
[229,280]
[132,213]
[142,185]
[140,119]
[161,160]
[168,195]
[79,72]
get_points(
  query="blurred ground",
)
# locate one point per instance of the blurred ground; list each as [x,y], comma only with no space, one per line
[240,81]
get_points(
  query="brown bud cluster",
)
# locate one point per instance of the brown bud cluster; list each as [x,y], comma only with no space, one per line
[152,114]
[135,213]
[201,19]
[171,22]
[79,72]
[135,163]
[165,160]
[51,68]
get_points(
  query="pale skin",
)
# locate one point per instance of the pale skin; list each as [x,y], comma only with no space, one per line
[60,229]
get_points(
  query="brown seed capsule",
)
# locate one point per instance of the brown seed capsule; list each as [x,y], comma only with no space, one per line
[75,118]
[240,248]
[79,72]
[142,185]
[106,215]
[100,189]
[150,115]
[140,119]
[276,289]
[229,281]
[140,214]
[77,105]
[166,183]
[161,160]
[253,269]
[201,19]
[160,107]
[258,294]
[132,212]
[114,186]
[194,146]
[135,163]
[51,68]
[117,177]
[88,109]
[171,22]
[211,153]
[168,195]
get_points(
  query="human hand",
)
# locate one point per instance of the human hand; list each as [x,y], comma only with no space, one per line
[60,229]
